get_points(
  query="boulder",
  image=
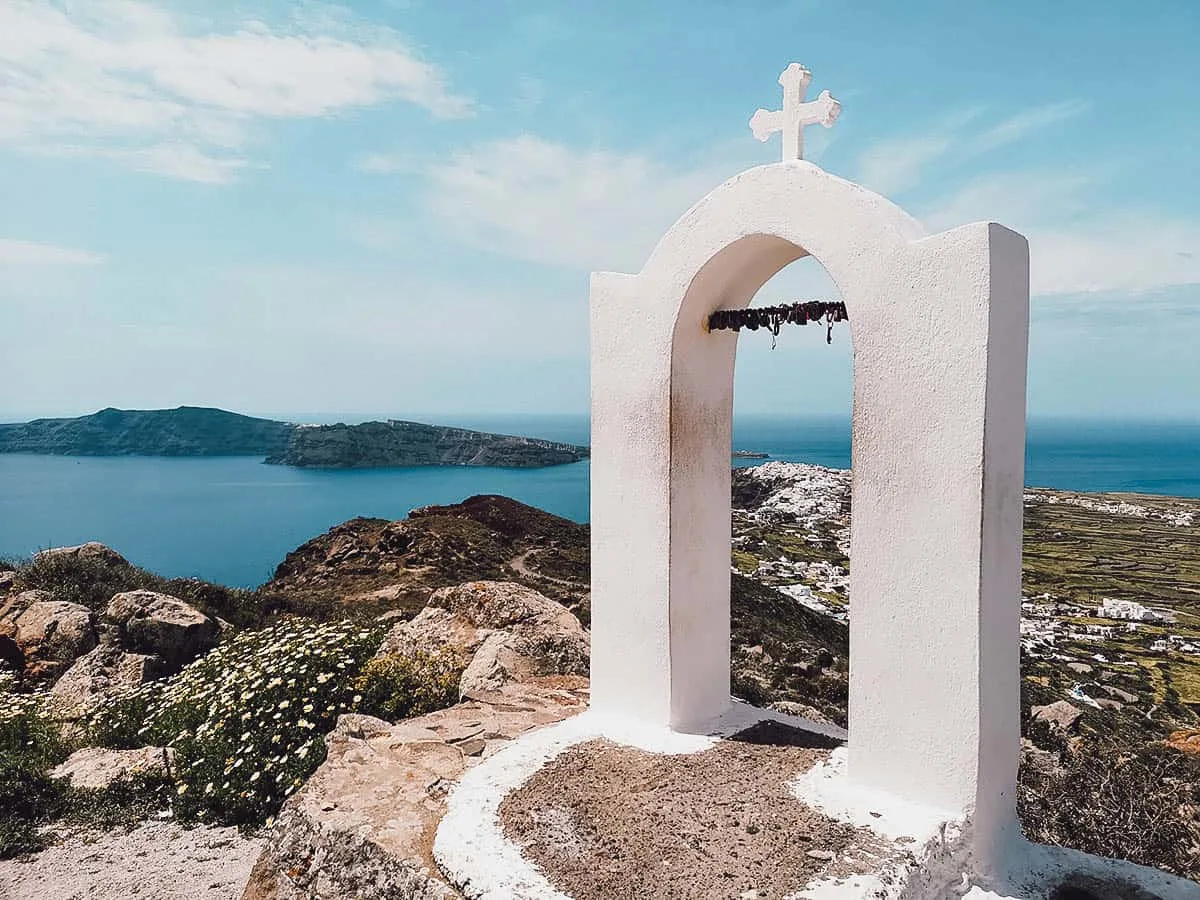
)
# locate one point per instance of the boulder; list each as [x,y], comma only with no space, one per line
[7,579]
[1117,694]
[363,824]
[104,671]
[51,635]
[163,626]
[1186,740]
[505,631]
[97,768]
[1044,762]
[1059,714]
[12,607]
[92,551]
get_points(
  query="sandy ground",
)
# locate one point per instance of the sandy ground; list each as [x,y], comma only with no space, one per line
[156,861]
[605,821]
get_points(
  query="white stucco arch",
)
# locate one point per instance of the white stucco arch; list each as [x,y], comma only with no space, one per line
[939,326]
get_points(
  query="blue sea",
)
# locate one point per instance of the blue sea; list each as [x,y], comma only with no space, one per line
[232,520]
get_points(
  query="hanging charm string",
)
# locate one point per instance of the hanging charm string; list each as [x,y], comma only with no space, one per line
[774,317]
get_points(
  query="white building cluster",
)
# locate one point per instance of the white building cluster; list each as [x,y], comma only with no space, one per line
[1129,610]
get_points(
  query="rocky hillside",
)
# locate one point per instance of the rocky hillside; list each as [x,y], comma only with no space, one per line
[784,651]
[184,431]
[394,443]
[1109,711]
[375,564]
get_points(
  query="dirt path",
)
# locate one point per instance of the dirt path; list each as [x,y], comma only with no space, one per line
[606,821]
[517,564]
[156,861]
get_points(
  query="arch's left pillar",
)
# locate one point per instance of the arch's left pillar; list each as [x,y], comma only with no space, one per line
[630,501]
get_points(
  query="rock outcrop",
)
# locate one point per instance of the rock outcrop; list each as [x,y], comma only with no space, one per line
[395,443]
[48,634]
[1060,714]
[92,551]
[163,626]
[97,768]
[510,633]
[105,670]
[363,825]
[387,564]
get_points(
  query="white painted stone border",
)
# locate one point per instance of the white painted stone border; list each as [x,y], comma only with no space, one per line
[470,846]
[473,852]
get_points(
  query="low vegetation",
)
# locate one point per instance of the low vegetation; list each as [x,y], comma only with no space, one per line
[1110,798]
[394,686]
[30,745]
[245,721]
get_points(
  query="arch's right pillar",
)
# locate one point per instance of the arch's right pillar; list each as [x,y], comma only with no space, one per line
[938,478]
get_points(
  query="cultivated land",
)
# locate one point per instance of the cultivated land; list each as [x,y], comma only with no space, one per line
[791,532]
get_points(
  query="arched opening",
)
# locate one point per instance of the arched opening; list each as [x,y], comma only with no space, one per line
[703,365]
[789,582]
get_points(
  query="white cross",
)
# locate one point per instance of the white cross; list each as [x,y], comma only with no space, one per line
[795,113]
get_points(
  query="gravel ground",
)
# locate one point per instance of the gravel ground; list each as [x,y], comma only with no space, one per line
[156,861]
[606,821]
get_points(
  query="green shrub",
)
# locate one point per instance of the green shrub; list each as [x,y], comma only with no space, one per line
[394,686]
[92,582]
[247,720]
[123,803]
[30,745]
[119,721]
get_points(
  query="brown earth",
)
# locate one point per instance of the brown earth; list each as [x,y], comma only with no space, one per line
[606,821]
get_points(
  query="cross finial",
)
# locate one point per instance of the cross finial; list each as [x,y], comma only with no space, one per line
[795,113]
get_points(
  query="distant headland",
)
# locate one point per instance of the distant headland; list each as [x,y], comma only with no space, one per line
[199,431]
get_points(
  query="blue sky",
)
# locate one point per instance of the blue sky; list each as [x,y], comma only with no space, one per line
[392,207]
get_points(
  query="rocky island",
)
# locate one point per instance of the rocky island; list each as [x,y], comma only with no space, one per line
[395,443]
[183,431]
[198,431]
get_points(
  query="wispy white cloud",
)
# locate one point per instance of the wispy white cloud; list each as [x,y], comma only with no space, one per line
[1025,123]
[1016,198]
[1126,253]
[898,163]
[893,165]
[546,202]
[132,81]
[31,253]
[1077,246]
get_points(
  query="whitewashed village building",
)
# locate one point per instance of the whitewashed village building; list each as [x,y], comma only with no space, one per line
[939,324]
[1111,608]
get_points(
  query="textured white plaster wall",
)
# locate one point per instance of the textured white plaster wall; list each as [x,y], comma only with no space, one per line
[939,327]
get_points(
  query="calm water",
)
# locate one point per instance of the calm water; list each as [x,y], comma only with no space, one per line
[232,520]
